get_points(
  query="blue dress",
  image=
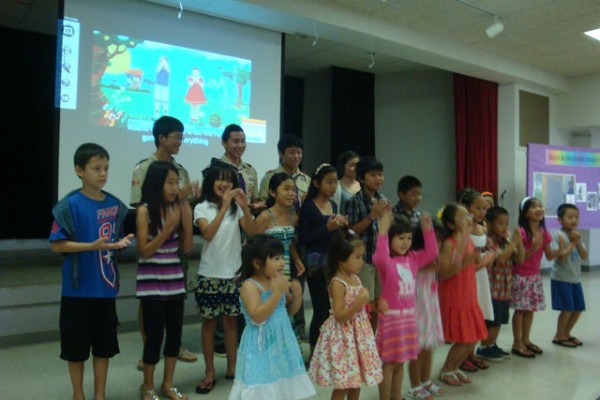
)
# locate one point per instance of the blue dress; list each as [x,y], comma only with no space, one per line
[269,363]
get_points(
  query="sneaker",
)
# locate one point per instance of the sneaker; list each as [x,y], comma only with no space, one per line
[500,351]
[302,337]
[419,393]
[488,353]
[186,356]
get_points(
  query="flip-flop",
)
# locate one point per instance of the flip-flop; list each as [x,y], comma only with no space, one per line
[576,341]
[230,377]
[479,363]
[522,353]
[207,386]
[565,343]
[468,366]
[449,378]
[534,348]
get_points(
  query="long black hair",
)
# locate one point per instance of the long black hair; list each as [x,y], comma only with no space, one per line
[276,180]
[258,248]
[213,173]
[153,192]
[449,217]
[523,221]
[343,159]
[320,173]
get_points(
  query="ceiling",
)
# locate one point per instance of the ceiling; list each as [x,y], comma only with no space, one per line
[546,34]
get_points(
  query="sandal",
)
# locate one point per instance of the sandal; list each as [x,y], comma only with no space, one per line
[433,388]
[205,386]
[468,366]
[449,378]
[576,341]
[479,363]
[419,393]
[522,353]
[186,356]
[565,343]
[148,394]
[534,348]
[173,394]
[462,377]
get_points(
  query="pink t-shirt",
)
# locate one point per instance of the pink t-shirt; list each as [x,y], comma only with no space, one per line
[531,264]
[398,273]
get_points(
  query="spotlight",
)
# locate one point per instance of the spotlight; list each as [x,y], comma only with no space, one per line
[494,29]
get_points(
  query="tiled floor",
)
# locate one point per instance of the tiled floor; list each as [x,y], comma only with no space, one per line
[35,371]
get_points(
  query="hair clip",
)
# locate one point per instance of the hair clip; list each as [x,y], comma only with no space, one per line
[321,166]
[351,232]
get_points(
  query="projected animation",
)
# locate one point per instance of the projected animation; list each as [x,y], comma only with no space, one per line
[134,82]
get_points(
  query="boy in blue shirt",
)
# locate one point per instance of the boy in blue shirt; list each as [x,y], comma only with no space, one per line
[87,225]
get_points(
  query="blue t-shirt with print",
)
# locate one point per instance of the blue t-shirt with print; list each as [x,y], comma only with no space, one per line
[98,273]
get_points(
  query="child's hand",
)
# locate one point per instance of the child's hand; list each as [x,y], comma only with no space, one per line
[382,306]
[335,222]
[173,218]
[363,296]
[537,240]
[280,283]
[240,197]
[575,237]
[227,197]
[385,222]
[379,207]
[426,223]
[103,244]
[300,268]
[517,239]
[488,258]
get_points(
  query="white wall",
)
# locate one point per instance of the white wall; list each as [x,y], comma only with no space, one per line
[578,108]
[414,133]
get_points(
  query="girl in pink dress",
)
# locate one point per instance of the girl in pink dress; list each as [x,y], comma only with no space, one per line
[397,331]
[462,319]
[345,355]
[195,95]
[527,292]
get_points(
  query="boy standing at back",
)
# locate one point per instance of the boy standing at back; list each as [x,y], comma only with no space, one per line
[87,225]
[363,210]
[565,280]
[409,196]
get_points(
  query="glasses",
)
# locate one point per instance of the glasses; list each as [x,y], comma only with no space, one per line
[177,138]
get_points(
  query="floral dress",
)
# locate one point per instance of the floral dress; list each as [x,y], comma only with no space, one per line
[345,355]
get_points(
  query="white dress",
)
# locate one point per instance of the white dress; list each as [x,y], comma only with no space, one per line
[484,293]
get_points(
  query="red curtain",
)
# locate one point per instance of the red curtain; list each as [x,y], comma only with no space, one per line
[476,126]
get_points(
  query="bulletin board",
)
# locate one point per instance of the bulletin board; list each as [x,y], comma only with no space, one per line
[560,174]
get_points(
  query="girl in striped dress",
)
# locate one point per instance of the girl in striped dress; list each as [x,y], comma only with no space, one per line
[163,224]
[397,331]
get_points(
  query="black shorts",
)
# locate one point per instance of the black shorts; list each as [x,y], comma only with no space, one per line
[88,323]
[501,310]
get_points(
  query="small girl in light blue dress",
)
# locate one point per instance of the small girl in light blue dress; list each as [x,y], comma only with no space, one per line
[269,362]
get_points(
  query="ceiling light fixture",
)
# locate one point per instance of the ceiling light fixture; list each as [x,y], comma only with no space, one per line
[594,34]
[495,28]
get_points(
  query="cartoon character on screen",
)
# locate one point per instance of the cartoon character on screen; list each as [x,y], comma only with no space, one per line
[161,87]
[195,95]
[241,77]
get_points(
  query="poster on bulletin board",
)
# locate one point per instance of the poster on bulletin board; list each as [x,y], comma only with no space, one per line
[560,174]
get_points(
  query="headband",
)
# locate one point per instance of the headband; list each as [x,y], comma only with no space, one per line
[525,200]
[321,166]
[487,194]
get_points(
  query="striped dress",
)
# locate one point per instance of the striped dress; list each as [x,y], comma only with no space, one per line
[161,275]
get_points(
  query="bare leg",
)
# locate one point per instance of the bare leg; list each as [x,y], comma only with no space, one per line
[149,376]
[100,377]
[208,346]
[517,328]
[572,321]
[527,323]
[561,326]
[425,357]
[338,394]
[414,371]
[397,381]
[353,394]
[493,332]
[76,375]
[230,330]
[385,387]
[168,373]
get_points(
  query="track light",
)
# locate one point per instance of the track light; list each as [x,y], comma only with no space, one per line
[494,29]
